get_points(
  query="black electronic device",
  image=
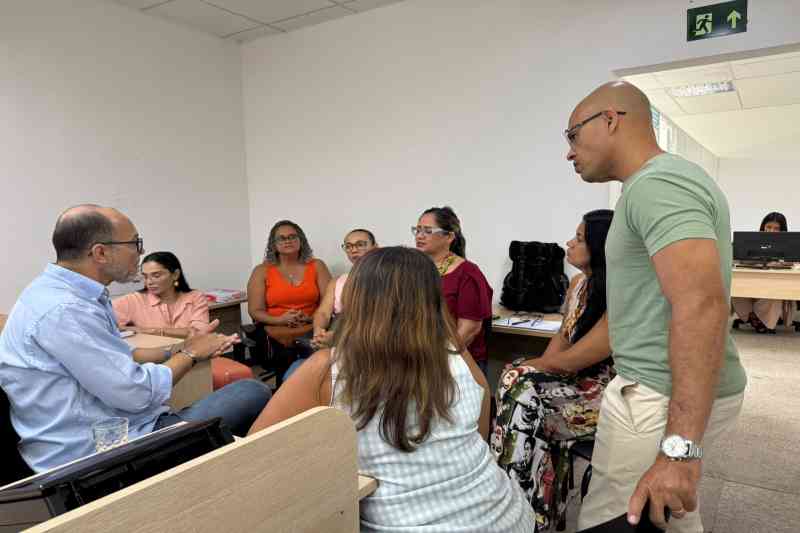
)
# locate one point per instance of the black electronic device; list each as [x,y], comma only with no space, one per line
[764,247]
[54,492]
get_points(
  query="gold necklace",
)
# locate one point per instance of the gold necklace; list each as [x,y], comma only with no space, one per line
[446,263]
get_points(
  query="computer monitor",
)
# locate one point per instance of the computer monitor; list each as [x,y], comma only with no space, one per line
[765,246]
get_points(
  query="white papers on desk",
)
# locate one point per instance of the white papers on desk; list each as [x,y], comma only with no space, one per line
[534,324]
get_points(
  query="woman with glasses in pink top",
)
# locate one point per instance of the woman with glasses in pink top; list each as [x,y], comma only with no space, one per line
[166,306]
[356,244]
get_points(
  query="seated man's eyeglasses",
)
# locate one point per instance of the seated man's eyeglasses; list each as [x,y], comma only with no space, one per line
[427,230]
[572,133]
[138,242]
[358,245]
[281,239]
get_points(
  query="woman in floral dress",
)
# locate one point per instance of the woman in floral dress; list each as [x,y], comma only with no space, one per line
[544,404]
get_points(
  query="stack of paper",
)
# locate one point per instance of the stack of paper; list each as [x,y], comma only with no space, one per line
[223,295]
[536,324]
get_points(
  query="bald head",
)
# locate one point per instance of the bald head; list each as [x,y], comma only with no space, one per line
[79,227]
[610,133]
[617,96]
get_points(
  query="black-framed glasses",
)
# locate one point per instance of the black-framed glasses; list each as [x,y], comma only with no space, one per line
[358,245]
[138,242]
[572,133]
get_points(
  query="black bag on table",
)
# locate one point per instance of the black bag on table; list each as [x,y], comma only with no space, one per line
[537,281]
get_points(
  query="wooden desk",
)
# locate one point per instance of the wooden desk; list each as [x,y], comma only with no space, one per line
[771,284]
[195,385]
[502,312]
[506,343]
[229,315]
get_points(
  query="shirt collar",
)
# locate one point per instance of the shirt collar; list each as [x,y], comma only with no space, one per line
[180,302]
[83,285]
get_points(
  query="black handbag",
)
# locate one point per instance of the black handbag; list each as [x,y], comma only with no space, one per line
[537,281]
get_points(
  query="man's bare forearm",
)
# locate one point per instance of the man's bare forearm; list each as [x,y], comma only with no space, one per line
[696,351]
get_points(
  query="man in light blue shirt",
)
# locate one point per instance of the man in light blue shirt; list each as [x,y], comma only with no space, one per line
[64,365]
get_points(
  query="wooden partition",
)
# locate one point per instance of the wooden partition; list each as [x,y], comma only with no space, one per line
[297,476]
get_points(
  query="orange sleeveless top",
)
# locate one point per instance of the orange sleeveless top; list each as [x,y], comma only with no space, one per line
[282,296]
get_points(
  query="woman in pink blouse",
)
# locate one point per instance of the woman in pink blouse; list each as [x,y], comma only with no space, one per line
[166,306]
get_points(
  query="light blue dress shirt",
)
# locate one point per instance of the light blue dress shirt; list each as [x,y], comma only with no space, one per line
[64,366]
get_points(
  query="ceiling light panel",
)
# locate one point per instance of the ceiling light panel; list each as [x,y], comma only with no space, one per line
[701,89]
[695,75]
[712,103]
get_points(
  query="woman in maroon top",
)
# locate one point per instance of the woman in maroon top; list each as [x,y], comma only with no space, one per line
[465,289]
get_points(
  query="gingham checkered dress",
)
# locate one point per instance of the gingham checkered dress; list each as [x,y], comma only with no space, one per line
[450,483]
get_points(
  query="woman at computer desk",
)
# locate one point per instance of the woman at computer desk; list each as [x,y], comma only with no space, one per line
[166,306]
[763,314]
[548,401]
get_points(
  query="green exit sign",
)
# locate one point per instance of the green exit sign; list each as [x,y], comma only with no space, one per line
[716,20]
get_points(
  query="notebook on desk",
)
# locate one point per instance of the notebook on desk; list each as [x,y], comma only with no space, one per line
[537,324]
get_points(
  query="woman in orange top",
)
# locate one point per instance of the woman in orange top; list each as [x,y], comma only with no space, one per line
[284,290]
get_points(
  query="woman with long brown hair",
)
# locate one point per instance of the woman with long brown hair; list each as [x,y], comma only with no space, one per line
[419,402]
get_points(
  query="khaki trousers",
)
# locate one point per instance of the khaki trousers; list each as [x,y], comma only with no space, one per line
[632,422]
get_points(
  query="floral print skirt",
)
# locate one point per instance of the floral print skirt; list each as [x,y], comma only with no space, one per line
[540,415]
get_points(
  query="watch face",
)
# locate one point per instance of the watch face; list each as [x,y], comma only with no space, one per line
[674,446]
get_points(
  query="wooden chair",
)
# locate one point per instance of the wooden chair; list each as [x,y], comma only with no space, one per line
[297,476]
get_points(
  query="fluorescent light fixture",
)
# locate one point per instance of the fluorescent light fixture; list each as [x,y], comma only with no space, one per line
[702,89]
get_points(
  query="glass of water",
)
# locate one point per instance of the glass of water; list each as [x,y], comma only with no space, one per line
[110,433]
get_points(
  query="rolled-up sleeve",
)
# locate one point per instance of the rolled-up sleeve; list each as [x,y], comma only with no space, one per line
[101,361]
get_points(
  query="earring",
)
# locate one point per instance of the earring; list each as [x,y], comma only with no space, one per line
[175,283]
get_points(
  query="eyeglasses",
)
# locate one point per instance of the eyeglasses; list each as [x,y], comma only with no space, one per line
[427,230]
[572,133]
[358,245]
[138,242]
[281,239]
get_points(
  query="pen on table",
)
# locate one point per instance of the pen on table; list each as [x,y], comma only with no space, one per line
[520,322]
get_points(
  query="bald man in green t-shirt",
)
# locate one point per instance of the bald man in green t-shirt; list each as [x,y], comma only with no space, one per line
[680,383]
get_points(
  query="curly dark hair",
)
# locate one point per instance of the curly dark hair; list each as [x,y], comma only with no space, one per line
[272,256]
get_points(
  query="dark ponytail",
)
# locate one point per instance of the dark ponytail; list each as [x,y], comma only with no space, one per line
[447,220]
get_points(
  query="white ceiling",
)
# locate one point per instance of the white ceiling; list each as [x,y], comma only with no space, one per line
[760,119]
[244,20]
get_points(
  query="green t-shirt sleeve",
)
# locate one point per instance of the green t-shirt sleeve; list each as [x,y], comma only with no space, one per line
[663,211]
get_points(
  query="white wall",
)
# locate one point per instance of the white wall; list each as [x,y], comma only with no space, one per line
[757,187]
[102,104]
[367,120]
